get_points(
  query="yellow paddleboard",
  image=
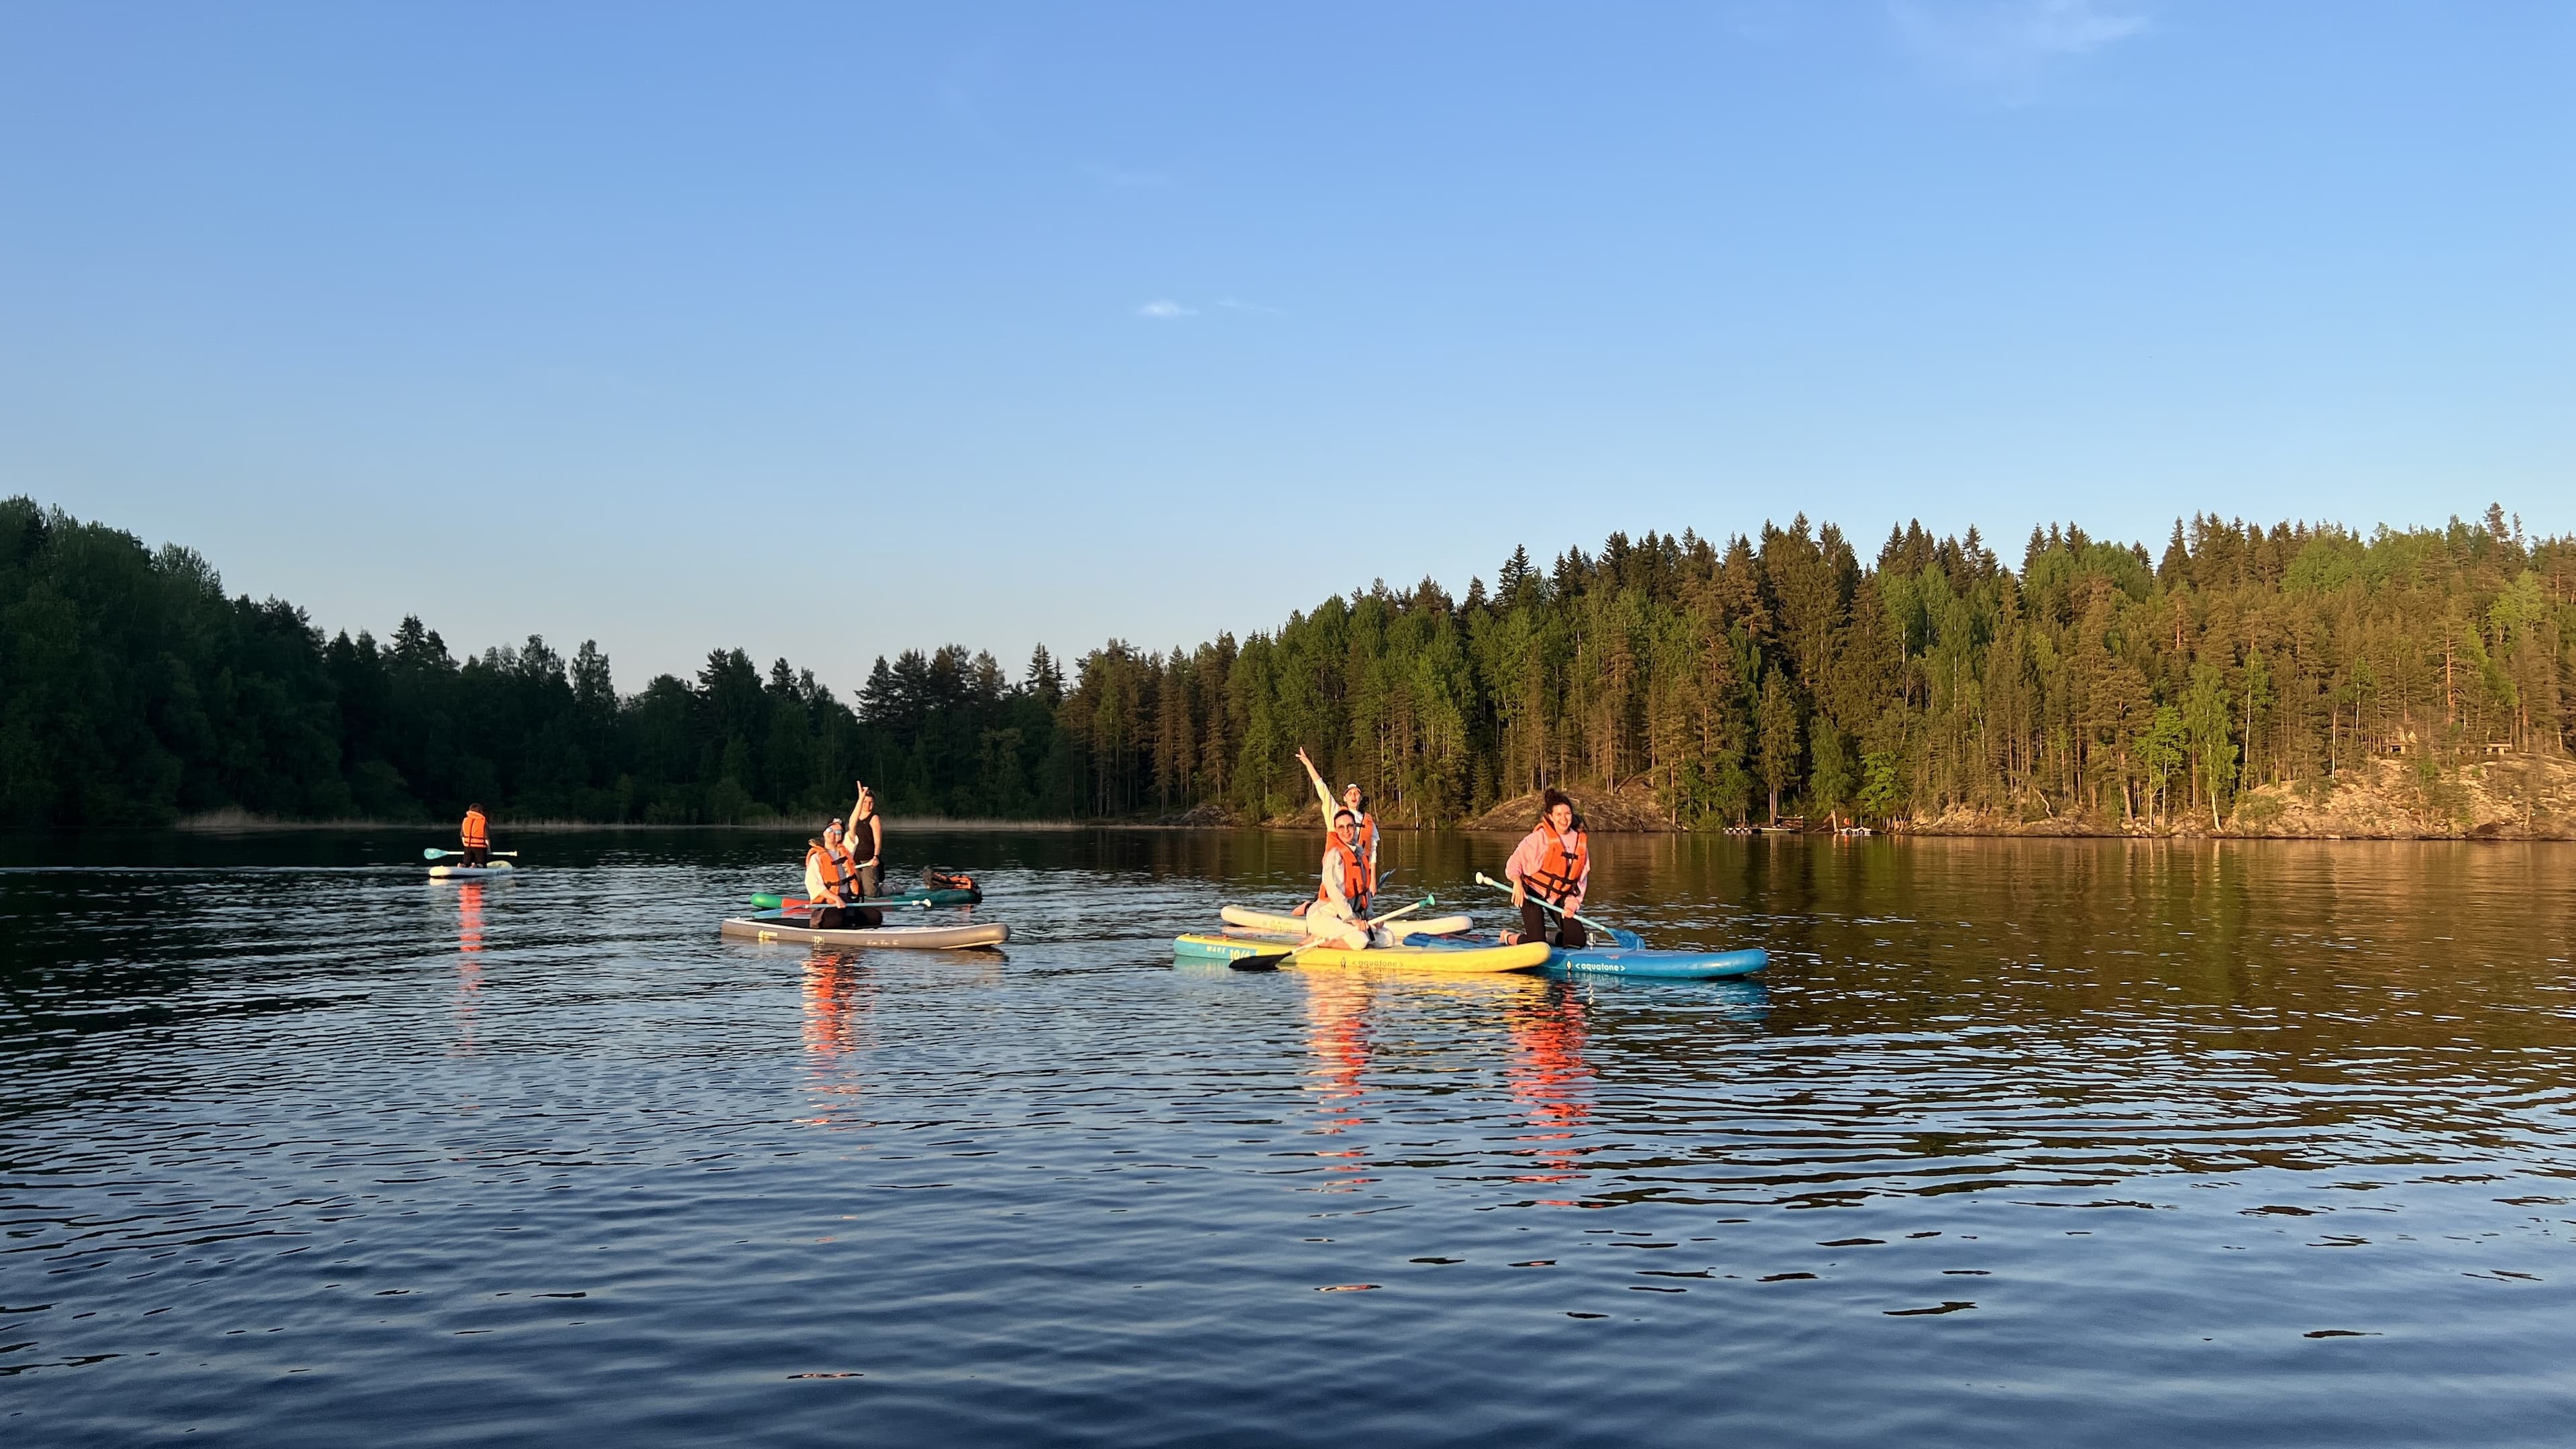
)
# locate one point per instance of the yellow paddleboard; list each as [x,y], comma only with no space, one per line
[1408,958]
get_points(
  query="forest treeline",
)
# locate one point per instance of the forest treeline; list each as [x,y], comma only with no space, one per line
[1781,673]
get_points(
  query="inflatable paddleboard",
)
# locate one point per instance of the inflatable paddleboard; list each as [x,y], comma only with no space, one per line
[471,872]
[1252,920]
[781,926]
[1626,955]
[1235,945]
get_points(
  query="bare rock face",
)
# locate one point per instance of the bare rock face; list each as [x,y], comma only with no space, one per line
[1630,809]
[2498,797]
[2501,797]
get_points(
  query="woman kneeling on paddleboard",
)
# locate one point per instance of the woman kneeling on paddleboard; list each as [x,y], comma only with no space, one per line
[1553,863]
[826,871]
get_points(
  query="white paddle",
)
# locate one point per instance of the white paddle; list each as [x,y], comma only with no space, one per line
[434,853]
[1271,962]
[1484,879]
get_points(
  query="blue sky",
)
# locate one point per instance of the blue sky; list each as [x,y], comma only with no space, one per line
[830,331]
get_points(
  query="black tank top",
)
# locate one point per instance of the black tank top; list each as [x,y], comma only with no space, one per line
[863,845]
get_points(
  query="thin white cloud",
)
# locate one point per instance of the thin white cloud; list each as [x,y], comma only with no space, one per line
[1164,309]
[2009,46]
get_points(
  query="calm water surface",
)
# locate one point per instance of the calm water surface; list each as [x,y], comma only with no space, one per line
[2021,1143]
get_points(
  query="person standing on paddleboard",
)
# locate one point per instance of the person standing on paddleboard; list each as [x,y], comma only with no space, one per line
[866,843]
[1365,825]
[477,834]
[1553,863]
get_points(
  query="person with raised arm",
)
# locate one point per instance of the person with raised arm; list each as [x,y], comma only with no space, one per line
[865,841]
[1340,910]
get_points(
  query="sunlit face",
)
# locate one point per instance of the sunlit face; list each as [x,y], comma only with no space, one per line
[1562,817]
[1351,797]
[867,802]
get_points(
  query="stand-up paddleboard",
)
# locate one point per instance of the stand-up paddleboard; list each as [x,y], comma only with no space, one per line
[1234,946]
[1252,920]
[472,872]
[1627,955]
[782,926]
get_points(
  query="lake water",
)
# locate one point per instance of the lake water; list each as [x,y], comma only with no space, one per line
[2019,1143]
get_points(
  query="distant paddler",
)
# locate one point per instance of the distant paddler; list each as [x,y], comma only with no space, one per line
[1339,913]
[1553,863]
[477,834]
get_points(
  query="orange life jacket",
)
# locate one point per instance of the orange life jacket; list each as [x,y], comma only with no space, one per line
[823,863]
[1366,831]
[1354,868]
[845,863]
[1561,864]
[474,832]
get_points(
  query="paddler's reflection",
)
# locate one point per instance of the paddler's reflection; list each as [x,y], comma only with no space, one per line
[1337,1035]
[838,992]
[839,1031]
[1550,1076]
[469,964]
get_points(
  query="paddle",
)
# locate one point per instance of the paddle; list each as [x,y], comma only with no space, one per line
[871,903]
[434,853]
[1484,879]
[1271,962]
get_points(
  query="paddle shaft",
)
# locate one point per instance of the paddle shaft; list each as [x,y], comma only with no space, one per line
[1271,962]
[434,853]
[1543,903]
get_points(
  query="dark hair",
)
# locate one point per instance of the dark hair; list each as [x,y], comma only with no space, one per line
[1341,815]
[1549,799]
[476,807]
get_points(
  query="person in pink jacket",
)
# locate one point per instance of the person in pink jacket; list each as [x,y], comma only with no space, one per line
[1554,864]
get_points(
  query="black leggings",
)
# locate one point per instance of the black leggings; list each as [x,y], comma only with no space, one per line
[478,855]
[1534,918]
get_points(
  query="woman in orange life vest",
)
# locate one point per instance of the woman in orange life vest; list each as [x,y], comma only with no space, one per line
[827,880]
[478,836]
[1366,825]
[1347,879]
[1554,863]
[866,843]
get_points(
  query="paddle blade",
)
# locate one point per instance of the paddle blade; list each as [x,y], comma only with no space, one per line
[767,902]
[1259,963]
[434,853]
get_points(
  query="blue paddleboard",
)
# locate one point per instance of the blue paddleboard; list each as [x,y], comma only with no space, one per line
[1627,955]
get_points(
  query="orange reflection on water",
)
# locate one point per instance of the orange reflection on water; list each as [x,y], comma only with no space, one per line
[1550,1076]
[469,964]
[838,1023]
[1337,1034]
